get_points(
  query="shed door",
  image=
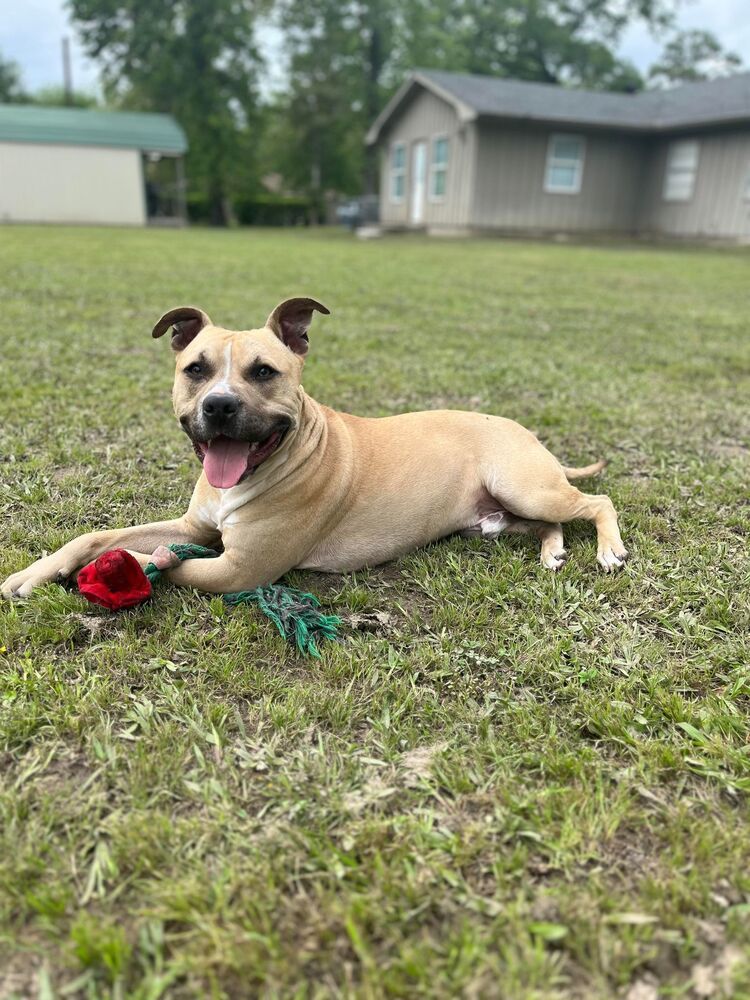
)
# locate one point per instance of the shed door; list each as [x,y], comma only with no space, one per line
[418,182]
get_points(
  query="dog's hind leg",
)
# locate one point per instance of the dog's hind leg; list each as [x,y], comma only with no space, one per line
[532,486]
[553,554]
[502,522]
[555,507]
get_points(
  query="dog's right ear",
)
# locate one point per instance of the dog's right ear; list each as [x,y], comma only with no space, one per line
[186,322]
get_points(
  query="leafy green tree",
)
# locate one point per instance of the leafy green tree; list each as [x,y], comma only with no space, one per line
[11,90]
[569,42]
[693,55]
[338,51]
[347,56]
[53,97]
[197,60]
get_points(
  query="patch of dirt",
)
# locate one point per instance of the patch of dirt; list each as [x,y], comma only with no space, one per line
[19,977]
[643,989]
[66,769]
[632,855]
[369,621]
[731,448]
[383,782]
[714,979]
[63,472]
[417,764]
[91,623]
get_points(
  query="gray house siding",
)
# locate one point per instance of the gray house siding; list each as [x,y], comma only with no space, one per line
[510,176]
[425,118]
[499,134]
[720,203]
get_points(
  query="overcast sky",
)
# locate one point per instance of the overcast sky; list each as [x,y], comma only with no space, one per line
[31,33]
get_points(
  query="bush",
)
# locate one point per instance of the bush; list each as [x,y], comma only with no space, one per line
[198,207]
[272,210]
[260,210]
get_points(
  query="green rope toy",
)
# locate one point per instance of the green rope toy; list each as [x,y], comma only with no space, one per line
[116,580]
[294,612]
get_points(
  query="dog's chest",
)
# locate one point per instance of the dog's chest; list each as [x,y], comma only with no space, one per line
[218,509]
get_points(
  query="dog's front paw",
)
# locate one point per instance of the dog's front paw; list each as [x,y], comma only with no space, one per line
[611,558]
[21,584]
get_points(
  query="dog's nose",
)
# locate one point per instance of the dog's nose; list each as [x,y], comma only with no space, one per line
[220,406]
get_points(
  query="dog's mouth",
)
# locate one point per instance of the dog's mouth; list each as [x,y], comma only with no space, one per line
[227,461]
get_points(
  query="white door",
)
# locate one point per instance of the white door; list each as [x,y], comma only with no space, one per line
[418,182]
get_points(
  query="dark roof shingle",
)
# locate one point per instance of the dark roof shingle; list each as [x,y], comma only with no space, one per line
[692,104]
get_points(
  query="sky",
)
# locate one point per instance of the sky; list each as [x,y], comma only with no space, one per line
[31,33]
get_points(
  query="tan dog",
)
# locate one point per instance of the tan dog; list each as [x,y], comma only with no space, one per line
[289,483]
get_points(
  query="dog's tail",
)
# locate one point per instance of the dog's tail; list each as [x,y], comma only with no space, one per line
[587,470]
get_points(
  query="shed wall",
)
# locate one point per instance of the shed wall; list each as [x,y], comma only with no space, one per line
[78,184]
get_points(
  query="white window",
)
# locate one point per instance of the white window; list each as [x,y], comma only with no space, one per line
[398,171]
[564,172]
[439,168]
[682,167]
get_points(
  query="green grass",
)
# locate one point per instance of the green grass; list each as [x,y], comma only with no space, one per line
[502,783]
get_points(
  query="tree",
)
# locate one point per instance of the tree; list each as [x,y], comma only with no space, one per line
[194,59]
[11,90]
[693,55]
[568,42]
[338,51]
[54,97]
[346,57]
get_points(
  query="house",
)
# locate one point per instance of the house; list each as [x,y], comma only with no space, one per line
[464,153]
[84,166]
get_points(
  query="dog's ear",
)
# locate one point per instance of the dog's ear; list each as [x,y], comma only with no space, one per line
[186,322]
[291,320]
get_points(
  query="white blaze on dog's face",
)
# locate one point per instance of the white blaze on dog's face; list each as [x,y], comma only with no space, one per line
[236,393]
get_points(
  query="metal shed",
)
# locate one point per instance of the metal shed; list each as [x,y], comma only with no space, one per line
[78,165]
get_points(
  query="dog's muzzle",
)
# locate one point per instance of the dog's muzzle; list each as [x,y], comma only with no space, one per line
[220,411]
[231,442]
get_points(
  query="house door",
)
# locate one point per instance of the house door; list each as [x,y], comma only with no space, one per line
[418,182]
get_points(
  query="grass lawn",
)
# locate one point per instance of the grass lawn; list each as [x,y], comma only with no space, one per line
[503,782]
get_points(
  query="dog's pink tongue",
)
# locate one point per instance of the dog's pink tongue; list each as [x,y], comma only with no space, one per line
[225,462]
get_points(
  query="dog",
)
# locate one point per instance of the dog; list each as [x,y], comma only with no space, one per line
[289,483]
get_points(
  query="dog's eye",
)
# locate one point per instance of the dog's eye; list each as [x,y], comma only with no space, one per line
[263,372]
[194,370]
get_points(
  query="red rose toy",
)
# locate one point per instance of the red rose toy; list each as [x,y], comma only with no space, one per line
[115,580]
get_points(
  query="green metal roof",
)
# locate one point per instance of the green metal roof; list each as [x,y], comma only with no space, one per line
[149,133]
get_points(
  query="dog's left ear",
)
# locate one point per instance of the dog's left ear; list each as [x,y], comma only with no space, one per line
[186,322]
[291,320]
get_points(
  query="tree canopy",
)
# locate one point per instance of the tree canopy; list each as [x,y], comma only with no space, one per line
[342,59]
[195,59]
[11,90]
[693,55]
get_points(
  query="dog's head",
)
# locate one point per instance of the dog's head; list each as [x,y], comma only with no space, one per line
[236,393]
